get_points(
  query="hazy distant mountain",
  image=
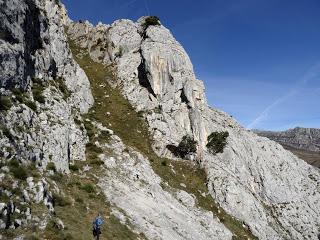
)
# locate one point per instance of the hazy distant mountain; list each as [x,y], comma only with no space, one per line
[304,142]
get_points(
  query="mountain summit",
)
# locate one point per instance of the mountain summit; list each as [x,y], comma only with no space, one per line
[112,119]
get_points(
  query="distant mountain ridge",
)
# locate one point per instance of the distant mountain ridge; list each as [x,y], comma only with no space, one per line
[304,142]
[300,138]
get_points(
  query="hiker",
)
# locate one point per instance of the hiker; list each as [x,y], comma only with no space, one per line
[97,226]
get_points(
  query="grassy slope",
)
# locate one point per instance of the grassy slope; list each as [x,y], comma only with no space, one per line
[133,130]
[77,205]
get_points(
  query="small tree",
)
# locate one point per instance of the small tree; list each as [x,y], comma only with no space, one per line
[151,21]
[186,146]
[217,141]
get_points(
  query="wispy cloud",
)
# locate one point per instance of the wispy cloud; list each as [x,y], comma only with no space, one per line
[147,6]
[313,72]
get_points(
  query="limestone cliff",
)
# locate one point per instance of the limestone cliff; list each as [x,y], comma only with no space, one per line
[254,179]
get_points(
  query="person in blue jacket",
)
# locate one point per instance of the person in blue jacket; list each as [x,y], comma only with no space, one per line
[96,225]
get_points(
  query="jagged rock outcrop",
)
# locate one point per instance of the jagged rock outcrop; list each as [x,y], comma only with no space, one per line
[268,188]
[45,86]
[299,138]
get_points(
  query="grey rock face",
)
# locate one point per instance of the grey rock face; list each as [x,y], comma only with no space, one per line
[33,46]
[254,179]
[299,138]
[131,185]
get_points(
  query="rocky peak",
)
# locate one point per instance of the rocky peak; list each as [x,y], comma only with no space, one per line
[253,179]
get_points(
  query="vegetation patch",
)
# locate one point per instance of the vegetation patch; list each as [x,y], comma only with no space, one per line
[89,188]
[32,105]
[5,103]
[61,201]
[37,90]
[60,84]
[51,167]
[6,132]
[217,141]
[73,167]
[18,170]
[151,21]
[187,146]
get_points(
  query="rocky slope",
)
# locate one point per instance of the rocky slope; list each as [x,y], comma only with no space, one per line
[146,99]
[304,142]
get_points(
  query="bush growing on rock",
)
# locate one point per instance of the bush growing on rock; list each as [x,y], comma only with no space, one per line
[151,21]
[37,91]
[60,82]
[6,132]
[31,105]
[5,103]
[217,141]
[74,168]
[17,170]
[187,146]
[51,167]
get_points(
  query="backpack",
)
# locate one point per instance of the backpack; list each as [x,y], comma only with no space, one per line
[98,222]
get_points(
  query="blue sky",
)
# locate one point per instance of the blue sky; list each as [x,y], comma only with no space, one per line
[259,59]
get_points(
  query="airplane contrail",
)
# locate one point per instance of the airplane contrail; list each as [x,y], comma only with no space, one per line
[147,7]
[310,74]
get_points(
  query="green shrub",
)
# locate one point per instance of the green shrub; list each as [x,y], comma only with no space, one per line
[5,103]
[37,95]
[104,136]
[63,88]
[51,166]
[18,93]
[96,161]
[37,91]
[17,170]
[6,132]
[90,129]
[61,200]
[74,168]
[89,188]
[14,163]
[164,163]
[217,141]
[31,105]
[186,146]
[151,21]
[92,148]
[19,173]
